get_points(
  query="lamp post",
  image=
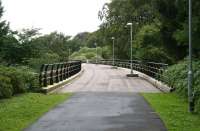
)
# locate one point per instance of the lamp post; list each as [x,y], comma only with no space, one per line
[131,42]
[68,54]
[113,38]
[96,52]
[190,72]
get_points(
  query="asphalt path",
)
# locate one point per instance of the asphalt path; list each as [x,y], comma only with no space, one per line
[104,100]
[102,78]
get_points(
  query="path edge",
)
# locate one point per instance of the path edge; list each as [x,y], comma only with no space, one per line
[57,86]
[158,84]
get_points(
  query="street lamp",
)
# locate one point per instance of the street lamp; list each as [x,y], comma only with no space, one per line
[131,42]
[113,38]
[190,72]
[96,52]
[68,54]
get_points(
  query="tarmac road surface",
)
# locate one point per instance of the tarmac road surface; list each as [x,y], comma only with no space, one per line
[104,100]
[102,78]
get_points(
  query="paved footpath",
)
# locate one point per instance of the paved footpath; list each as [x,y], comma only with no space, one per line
[104,100]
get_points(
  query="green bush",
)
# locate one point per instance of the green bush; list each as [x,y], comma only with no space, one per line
[16,78]
[87,54]
[148,45]
[30,78]
[154,54]
[22,79]
[176,77]
[46,58]
[6,89]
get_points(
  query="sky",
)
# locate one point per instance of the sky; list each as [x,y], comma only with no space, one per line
[67,16]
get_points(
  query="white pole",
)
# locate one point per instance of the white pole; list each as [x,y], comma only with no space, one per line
[190,72]
[131,49]
[113,38]
[96,52]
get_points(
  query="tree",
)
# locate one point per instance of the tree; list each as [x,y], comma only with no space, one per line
[7,41]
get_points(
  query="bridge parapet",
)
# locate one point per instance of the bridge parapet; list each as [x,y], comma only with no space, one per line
[54,73]
[152,69]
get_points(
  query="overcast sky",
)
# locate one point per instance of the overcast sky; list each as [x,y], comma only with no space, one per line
[67,16]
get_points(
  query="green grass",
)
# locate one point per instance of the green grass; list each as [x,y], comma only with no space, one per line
[174,112]
[20,111]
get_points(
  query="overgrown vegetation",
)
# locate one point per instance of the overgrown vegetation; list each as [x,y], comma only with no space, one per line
[16,80]
[87,54]
[176,77]
[173,110]
[160,28]
[20,111]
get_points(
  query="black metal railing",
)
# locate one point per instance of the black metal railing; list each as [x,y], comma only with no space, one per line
[54,73]
[151,69]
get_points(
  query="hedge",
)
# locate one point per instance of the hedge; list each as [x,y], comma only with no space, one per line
[15,80]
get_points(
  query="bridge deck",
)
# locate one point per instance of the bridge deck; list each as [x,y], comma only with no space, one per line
[105,100]
[101,78]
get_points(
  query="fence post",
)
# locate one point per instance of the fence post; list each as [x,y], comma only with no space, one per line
[52,74]
[79,65]
[45,76]
[69,69]
[65,70]
[61,72]
[41,75]
[57,73]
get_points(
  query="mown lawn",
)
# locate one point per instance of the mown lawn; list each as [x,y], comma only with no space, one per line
[20,111]
[174,112]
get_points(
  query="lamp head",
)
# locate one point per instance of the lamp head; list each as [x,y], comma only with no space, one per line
[130,24]
[112,38]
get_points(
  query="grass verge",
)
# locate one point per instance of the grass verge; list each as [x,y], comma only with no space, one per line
[174,112]
[20,111]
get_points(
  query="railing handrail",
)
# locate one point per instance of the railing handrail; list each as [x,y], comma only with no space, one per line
[54,73]
[153,69]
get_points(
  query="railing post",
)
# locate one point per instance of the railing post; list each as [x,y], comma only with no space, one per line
[69,69]
[65,70]
[67,73]
[45,76]
[52,74]
[79,66]
[57,73]
[61,72]
[41,75]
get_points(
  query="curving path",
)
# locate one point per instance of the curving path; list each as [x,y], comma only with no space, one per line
[104,100]
[102,78]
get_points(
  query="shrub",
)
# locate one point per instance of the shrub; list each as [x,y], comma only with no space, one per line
[87,54]
[6,89]
[47,58]
[176,77]
[15,79]
[148,45]
[21,79]
[30,78]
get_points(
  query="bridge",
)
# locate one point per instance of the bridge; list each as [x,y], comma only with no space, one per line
[104,99]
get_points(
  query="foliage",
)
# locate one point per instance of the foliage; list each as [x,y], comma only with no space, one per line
[176,77]
[161,24]
[106,52]
[47,58]
[173,110]
[148,45]
[20,111]
[6,88]
[87,54]
[17,80]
